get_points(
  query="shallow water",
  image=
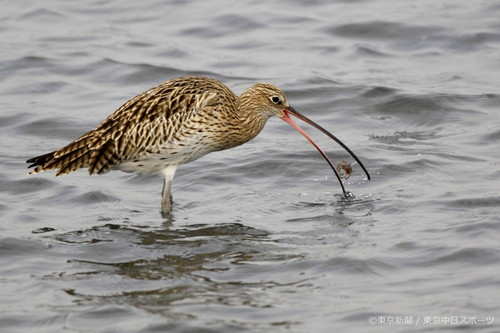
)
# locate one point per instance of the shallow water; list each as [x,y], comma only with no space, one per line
[260,239]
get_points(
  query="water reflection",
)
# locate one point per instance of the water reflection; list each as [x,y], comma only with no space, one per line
[225,264]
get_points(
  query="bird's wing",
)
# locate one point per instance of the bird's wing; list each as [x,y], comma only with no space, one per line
[139,126]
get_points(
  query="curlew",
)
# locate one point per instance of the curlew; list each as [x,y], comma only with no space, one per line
[174,123]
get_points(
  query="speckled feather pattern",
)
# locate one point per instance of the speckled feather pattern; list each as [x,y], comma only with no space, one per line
[173,123]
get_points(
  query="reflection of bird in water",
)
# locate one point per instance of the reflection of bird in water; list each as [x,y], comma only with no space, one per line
[174,123]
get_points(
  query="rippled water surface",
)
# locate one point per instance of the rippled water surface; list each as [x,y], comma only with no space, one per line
[260,239]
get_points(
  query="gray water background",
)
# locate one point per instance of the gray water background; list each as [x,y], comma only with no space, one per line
[260,239]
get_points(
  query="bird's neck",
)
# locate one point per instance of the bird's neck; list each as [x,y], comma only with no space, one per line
[252,119]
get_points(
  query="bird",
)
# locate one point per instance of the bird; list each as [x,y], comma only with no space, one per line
[173,123]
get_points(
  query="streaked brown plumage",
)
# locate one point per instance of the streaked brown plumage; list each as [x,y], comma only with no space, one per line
[171,124]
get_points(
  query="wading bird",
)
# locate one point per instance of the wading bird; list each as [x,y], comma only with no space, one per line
[174,123]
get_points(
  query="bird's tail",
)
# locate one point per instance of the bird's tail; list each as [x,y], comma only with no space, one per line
[39,161]
[78,154]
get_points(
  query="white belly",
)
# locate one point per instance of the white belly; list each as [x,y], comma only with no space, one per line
[167,156]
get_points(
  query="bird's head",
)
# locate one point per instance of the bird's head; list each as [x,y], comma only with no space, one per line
[266,99]
[269,100]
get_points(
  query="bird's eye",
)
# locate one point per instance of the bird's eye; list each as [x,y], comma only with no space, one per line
[276,99]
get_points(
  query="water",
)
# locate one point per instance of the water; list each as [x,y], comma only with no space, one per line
[260,239]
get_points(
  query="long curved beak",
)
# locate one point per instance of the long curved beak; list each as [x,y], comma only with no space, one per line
[291,111]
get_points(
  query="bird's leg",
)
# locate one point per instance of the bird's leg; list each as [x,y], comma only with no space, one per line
[166,194]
